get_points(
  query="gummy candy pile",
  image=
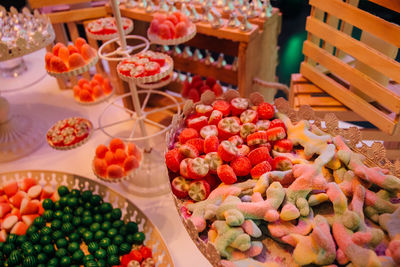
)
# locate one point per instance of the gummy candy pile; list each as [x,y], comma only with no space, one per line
[246,174]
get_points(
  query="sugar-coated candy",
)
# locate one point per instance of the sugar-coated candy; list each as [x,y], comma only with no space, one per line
[115,171]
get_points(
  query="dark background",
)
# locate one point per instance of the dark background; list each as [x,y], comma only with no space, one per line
[293,34]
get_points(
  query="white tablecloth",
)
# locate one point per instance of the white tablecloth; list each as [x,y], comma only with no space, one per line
[45,101]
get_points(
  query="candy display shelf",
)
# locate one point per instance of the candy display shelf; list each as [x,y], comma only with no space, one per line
[255,50]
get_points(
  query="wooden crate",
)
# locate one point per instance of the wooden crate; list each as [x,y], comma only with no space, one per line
[363,86]
[304,92]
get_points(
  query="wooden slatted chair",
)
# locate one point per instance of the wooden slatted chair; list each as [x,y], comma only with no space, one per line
[365,88]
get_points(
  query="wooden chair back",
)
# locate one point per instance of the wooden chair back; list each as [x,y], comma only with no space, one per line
[362,86]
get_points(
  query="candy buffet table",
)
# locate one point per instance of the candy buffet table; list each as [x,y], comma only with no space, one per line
[45,102]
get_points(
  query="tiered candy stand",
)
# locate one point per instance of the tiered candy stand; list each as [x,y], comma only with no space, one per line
[151,178]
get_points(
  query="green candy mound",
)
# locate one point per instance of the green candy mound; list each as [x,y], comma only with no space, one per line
[78,220]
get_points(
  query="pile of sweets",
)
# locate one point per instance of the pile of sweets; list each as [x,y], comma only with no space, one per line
[106,26]
[194,89]
[71,228]
[246,175]
[146,63]
[68,132]
[90,91]
[117,160]
[170,26]
[20,203]
[65,58]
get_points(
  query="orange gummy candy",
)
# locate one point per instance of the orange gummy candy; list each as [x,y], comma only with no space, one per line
[57,65]
[79,42]
[76,61]
[63,53]
[100,167]
[87,52]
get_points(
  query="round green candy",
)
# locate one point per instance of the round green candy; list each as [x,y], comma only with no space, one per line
[124,248]
[113,260]
[48,249]
[48,215]
[65,261]
[112,250]
[130,238]
[99,235]
[21,239]
[44,240]
[86,195]
[117,224]
[123,230]
[72,202]
[86,213]
[35,237]
[67,228]
[56,224]
[81,230]
[138,238]
[81,202]
[61,243]
[30,251]
[63,190]
[73,246]
[96,210]
[67,217]
[74,265]
[98,218]
[41,258]
[46,230]
[15,258]
[105,226]
[94,227]
[26,245]
[74,237]
[41,265]
[105,207]
[87,206]
[116,214]
[87,220]
[38,248]
[57,235]
[92,247]
[8,248]
[58,214]
[75,193]
[1,247]
[111,233]
[96,200]
[91,264]
[104,242]
[29,261]
[132,227]
[78,256]
[87,236]
[39,222]
[108,216]
[31,229]
[100,254]
[11,238]
[61,252]
[88,258]
[64,201]
[68,210]
[101,263]
[52,262]
[48,204]
[76,221]
[57,205]
[79,211]
[118,240]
